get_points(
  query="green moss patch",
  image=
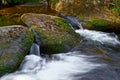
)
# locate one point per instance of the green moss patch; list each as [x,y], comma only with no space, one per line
[27,41]
[4,45]
[98,22]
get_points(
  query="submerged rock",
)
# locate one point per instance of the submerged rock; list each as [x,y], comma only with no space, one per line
[55,34]
[15,41]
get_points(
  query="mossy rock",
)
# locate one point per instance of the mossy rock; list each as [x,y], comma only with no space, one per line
[55,34]
[15,42]
[99,24]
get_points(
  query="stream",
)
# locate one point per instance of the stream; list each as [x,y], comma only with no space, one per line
[96,57]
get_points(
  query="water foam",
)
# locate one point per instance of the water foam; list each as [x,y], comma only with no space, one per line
[97,36]
[65,68]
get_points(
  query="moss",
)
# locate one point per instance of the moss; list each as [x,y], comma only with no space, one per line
[115,8]
[13,67]
[4,45]
[80,18]
[5,68]
[27,41]
[55,33]
[60,41]
[5,20]
[5,57]
[64,26]
[50,43]
[17,58]
[62,23]
[98,22]
[55,42]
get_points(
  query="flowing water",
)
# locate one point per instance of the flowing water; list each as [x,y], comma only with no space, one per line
[95,58]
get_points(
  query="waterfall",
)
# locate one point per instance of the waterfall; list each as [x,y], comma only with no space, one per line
[90,35]
[63,66]
[73,21]
[73,65]
[99,37]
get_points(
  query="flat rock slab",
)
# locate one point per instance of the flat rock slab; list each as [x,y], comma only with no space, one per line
[54,38]
[13,46]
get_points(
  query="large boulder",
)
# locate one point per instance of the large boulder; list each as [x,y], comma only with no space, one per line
[15,42]
[55,34]
[100,25]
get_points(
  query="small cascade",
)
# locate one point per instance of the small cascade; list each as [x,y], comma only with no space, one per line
[33,61]
[92,36]
[73,22]
[35,49]
[63,66]
[99,37]
[73,65]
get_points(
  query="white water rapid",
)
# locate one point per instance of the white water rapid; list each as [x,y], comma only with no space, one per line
[98,36]
[73,65]
[61,67]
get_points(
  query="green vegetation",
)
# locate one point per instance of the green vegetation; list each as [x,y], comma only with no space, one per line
[4,57]
[62,39]
[4,45]
[62,23]
[64,26]
[95,24]
[115,6]
[3,68]
[98,22]
[80,18]
[12,67]
[27,41]
[5,20]
[17,58]
[51,43]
